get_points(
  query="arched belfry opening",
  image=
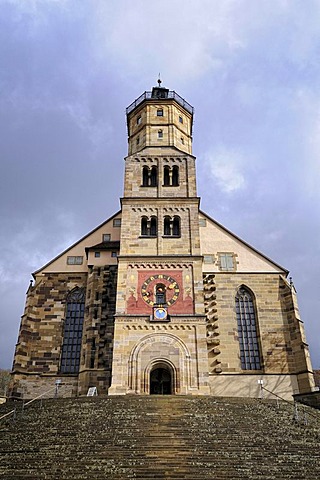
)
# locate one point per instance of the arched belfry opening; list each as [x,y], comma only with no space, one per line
[161,380]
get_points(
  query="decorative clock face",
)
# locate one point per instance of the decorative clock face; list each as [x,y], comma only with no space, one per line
[160,313]
[160,289]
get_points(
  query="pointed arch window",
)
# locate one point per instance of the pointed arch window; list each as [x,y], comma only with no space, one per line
[72,335]
[250,353]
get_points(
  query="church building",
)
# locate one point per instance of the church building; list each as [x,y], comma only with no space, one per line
[160,298]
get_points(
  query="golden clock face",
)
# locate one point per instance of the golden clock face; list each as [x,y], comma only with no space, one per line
[155,283]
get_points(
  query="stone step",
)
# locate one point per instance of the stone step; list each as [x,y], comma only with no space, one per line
[158,437]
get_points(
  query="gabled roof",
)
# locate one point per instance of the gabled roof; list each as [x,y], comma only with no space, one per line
[244,243]
[76,243]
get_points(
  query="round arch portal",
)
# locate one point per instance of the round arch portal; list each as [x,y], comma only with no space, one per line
[161,379]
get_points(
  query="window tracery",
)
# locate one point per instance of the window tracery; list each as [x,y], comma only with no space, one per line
[72,335]
[250,355]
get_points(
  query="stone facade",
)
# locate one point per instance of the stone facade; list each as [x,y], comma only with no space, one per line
[160,298]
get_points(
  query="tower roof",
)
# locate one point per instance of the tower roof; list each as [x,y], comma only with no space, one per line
[160,93]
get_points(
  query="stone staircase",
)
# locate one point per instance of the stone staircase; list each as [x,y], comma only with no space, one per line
[157,437]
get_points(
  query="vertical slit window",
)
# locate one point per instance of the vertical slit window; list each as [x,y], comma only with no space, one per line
[247,331]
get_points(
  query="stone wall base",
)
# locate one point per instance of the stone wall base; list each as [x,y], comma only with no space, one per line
[242,385]
[31,386]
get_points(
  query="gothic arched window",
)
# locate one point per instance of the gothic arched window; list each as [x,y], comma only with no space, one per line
[175,175]
[247,330]
[72,336]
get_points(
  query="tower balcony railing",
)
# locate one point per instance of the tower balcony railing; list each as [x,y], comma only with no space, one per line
[170,94]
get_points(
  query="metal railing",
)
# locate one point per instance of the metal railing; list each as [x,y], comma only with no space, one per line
[171,94]
[300,413]
[13,412]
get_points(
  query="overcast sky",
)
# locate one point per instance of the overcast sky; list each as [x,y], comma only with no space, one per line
[68,70]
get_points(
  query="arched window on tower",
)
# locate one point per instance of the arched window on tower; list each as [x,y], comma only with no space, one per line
[171,176]
[145,176]
[167,226]
[153,227]
[149,226]
[144,226]
[176,226]
[154,176]
[175,176]
[166,176]
[72,335]
[247,330]
[172,226]
[160,294]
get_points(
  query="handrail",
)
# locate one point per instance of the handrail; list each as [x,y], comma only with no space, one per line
[30,401]
[294,403]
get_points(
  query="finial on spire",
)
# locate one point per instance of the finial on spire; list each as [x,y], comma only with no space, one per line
[159,80]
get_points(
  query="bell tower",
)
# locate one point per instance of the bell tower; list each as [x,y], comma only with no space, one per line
[160,321]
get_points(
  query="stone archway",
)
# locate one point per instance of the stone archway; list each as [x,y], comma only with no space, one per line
[161,379]
[164,351]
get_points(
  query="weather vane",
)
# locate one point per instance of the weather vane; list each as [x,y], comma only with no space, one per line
[159,80]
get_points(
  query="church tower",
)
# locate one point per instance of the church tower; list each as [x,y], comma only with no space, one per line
[160,326]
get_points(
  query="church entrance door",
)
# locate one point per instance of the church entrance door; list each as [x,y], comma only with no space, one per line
[160,382]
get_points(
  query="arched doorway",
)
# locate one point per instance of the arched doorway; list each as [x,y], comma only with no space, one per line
[160,381]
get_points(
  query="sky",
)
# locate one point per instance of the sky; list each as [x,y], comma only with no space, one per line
[68,70]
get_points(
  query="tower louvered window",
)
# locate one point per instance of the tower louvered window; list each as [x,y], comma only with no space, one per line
[72,337]
[247,330]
